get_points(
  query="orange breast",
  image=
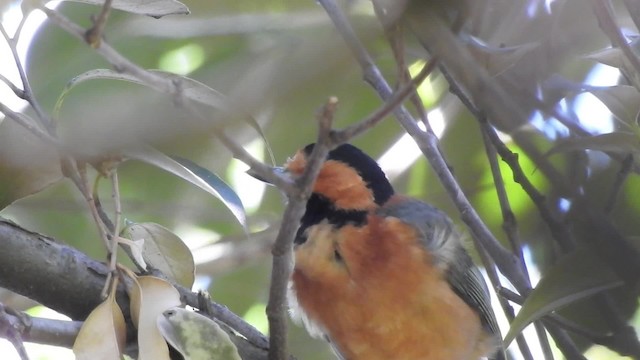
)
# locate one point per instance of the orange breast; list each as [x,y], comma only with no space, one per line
[381,298]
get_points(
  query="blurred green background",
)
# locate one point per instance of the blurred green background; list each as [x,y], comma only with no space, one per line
[279,61]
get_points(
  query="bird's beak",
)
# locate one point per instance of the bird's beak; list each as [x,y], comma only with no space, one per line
[276,169]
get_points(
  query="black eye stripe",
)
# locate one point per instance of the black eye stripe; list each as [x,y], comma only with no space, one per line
[319,208]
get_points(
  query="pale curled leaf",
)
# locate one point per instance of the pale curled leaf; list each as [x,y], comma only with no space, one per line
[195,336]
[150,297]
[196,175]
[622,100]
[576,276]
[154,8]
[609,56]
[164,251]
[615,57]
[103,334]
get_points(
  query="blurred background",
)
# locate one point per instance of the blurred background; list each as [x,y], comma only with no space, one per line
[278,61]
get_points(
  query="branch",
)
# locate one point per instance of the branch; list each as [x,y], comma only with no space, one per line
[68,281]
[47,331]
[283,248]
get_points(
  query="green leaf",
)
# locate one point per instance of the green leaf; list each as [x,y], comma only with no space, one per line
[27,164]
[498,59]
[616,142]
[623,101]
[195,336]
[195,174]
[153,8]
[609,56]
[164,251]
[190,88]
[576,276]
[616,58]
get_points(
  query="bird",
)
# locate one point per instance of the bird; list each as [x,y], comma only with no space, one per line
[381,275]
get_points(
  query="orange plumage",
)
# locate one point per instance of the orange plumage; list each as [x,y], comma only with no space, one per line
[384,276]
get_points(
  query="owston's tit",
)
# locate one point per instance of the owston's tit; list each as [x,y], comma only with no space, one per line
[384,276]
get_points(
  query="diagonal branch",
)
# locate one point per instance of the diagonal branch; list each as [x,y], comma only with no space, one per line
[282,250]
[47,271]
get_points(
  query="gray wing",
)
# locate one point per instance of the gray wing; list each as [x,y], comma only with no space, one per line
[467,282]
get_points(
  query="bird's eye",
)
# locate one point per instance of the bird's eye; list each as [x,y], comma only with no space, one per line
[337,256]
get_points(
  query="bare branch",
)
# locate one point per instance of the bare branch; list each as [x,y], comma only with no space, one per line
[46,271]
[11,328]
[93,36]
[346,134]
[27,123]
[283,248]
[27,93]
[47,331]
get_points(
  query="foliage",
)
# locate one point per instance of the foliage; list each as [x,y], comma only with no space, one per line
[141,80]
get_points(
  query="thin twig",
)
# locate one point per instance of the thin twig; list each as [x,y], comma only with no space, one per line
[348,133]
[16,90]
[559,232]
[510,227]
[113,238]
[257,168]
[88,195]
[28,123]
[283,248]
[509,222]
[27,92]
[11,328]
[117,60]
[93,36]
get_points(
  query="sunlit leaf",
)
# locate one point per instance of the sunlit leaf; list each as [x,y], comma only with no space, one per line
[623,101]
[150,297]
[195,336]
[27,164]
[154,8]
[576,276]
[617,142]
[103,334]
[609,56]
[210,183]
[164,251]
[615,57]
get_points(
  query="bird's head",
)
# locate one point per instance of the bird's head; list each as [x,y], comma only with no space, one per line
[349,178]
[349,185]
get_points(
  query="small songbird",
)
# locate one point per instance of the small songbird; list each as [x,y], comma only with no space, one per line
[384,276]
